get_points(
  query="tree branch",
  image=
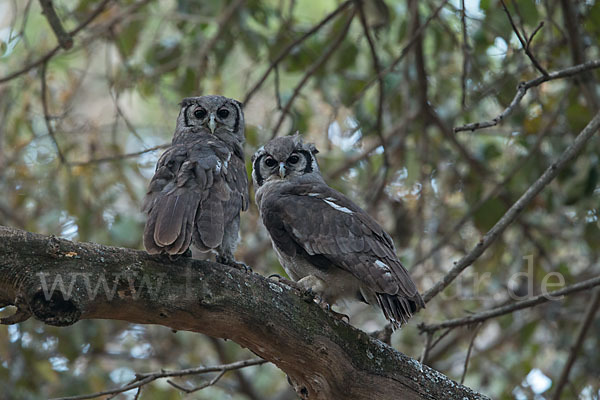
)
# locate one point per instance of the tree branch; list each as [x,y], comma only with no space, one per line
[513,212]
[312,70]
[522,90]
[291,46]
[586,323]
[145,378]
[55,50]
[509,308]
[524,43]
[60,282]
[64,39]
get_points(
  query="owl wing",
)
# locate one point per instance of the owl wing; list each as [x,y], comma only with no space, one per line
[324,226]
[186,198]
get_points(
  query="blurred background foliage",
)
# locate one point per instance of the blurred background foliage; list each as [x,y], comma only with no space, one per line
[115,95]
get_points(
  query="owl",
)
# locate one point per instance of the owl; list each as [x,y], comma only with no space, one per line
[200,185]
[324,241]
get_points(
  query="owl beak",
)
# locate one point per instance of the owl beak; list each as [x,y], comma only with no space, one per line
[211,123]
[282,170]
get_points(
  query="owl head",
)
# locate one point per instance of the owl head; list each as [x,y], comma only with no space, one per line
[216,115]
[285,158]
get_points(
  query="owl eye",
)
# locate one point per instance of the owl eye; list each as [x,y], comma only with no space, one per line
[223,113]
[269,162]
[200,113]
[293,159]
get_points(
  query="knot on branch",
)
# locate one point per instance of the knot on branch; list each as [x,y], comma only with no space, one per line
[54,309]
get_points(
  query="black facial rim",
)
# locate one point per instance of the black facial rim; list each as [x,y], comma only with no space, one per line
[257,174]
[185,115]
[309,168]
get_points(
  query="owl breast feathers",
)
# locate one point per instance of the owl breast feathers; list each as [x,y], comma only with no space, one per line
[324,240]
[200,184]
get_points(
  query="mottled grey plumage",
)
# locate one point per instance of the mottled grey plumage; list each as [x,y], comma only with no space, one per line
[323,240]
[200,184]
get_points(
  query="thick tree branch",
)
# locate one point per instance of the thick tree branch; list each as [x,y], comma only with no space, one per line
[513,212]
[60,282]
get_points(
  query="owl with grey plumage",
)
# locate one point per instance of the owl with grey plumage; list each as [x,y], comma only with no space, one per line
[200,185]
[324,241]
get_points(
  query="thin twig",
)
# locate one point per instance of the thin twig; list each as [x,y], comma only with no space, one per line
[586,323]
[465,49]
[524,87]
[426,347]
[495,190]
[312,70]
[377,68]
[64,39]
[509,308]
[117,157]
[52,52]
[523,42]
[291,46]
[535,31]
[199,387]
[468,356]
[513,212]
[143,379]
[390,68]
[44,96]
[222,22]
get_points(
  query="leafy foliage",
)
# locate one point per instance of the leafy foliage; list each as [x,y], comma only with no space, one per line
[117,92]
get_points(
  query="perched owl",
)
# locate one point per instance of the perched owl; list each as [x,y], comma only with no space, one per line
[200,184]
[323,240]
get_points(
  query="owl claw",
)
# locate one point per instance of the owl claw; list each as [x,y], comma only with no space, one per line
[233,263]
[308,294]
[327,307]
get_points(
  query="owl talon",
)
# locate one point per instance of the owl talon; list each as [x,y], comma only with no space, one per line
[233,263]
[327,307]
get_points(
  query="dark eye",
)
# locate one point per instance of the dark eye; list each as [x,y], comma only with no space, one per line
[269,162]
[223,113]
[293,159]
[200,113]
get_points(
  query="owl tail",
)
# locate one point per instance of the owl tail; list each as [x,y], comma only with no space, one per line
[398,309]
[171,222]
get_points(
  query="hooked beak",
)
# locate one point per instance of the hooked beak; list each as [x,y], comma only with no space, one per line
[282,170]
[211,123]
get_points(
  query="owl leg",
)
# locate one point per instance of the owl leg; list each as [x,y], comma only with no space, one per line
[228,245]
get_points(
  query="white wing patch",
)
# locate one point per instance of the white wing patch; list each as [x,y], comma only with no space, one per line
[382,265]
[329,201]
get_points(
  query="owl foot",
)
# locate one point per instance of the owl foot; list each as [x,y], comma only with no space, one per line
[233,263]
[327,307]
[186,254]
[307,294]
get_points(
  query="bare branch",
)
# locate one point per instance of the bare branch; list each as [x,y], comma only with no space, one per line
[64,39]
[586,323]
[117,157]
[390,68]
[465,49]
[524,87]
[509,308]
[513,212]
[291,46]
[55,50]
[44,96]
[523,42]
[312,70]
[468,356]
[497,189]
[145,378]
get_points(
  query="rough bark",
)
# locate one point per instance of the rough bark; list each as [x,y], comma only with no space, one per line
[324,357]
